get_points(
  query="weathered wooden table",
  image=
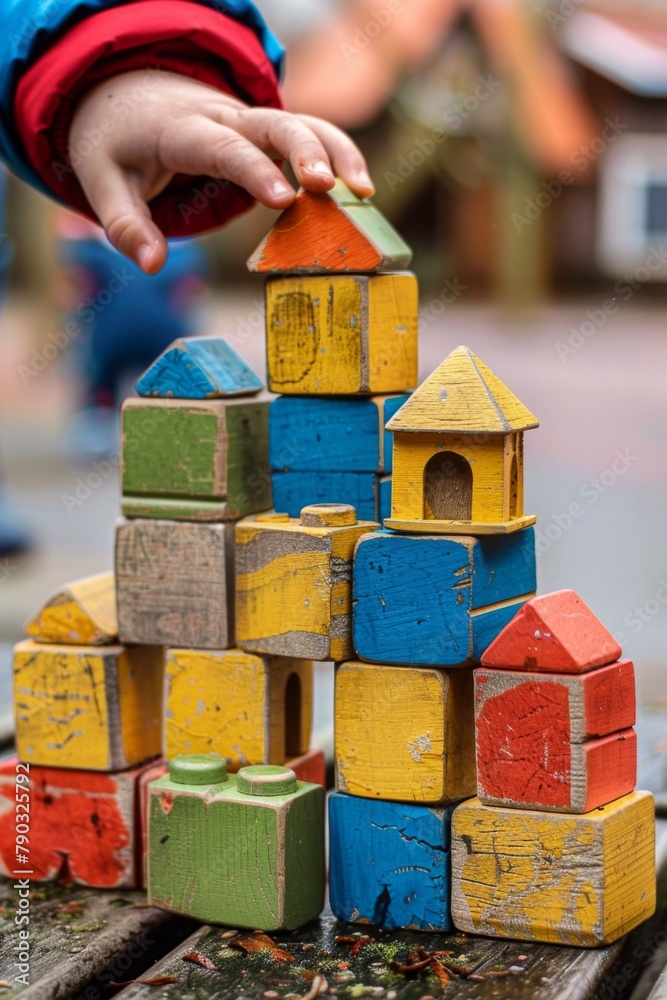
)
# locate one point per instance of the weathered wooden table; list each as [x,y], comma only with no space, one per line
[85,943]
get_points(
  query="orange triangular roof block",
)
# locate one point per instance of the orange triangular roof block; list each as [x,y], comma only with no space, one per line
[462,396]
[331,232]
[557,633]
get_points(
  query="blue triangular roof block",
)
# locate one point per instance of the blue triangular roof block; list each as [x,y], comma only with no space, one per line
[199,368]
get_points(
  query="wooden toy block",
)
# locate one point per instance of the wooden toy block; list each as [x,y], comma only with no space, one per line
[330,434]
[434,600]
[334,231]
[249,709]
[293,583]
[93,707]
[195,460]
[310,766]
[151,772]
[245,850]
[458,453]
[389,863]
[81,613]
[535,876]
[383,498]
[404,735]
[292,491]
[199,368]
[175,583]
[84,826]
[555,632]
[342,335]
[552,741]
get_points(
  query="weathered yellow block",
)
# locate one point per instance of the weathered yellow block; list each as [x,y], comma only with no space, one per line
[94,708]
[82,613]
[582,880]
[249,709]
[294,584]
[342,334]
[406,734]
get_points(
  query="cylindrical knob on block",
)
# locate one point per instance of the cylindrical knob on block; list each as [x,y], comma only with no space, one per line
[198,769]
[266,779]
[328,515]
[273,516]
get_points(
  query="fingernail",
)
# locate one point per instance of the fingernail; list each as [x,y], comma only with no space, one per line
[363,179]
[320,167]
[145,255]
[281,189]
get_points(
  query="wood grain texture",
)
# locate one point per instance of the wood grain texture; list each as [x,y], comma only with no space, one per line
[458,483]
[249,709]
[199,368]
[559,742]
[549,877]
[175,583]
[157,769]
[84,827]
[555,632]
[223,856]
[404,735]
[333,231]
[81,613]
[342,335]
[195,460]
[389,863]
[292,491]
[434,600]
[294,590]
[331,434]
[97,707]
[462,396]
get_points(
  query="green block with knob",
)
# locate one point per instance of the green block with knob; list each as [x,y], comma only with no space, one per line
[242,849]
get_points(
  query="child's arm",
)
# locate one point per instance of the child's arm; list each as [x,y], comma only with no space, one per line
[126,110]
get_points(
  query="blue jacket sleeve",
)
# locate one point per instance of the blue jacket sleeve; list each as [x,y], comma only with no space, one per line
[30,27]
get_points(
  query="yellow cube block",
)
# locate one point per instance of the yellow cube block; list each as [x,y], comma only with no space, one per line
[342,334]
[249,709]
[405,734]
[294,582]
[97,708]
[583,879]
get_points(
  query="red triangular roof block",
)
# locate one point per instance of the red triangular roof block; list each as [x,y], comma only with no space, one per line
[557,633]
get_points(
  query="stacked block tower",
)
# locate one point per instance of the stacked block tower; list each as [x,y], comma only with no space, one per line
[454,563]
[163,712]
[88,714]
[542,853]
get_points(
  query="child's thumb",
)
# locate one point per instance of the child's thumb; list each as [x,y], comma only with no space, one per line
[125,216]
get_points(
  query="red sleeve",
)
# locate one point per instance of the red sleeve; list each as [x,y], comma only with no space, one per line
[174,35]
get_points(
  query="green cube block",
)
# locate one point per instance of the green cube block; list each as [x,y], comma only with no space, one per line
[245,850]
[195,460]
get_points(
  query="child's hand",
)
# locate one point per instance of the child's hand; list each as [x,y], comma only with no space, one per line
[182,126]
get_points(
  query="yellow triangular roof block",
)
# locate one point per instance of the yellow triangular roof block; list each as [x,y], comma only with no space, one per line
[81,613]
[462,396]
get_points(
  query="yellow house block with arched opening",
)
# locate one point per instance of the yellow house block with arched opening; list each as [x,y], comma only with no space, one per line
[458,453]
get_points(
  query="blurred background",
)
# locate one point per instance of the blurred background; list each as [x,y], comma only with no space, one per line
[521,147]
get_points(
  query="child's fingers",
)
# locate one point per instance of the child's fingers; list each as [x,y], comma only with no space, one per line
[114,197]
[292,139]
[346,157]
[198,145]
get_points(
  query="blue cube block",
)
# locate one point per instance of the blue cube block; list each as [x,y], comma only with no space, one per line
[293,490]
[437,600]
[331,434]
[389,863]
